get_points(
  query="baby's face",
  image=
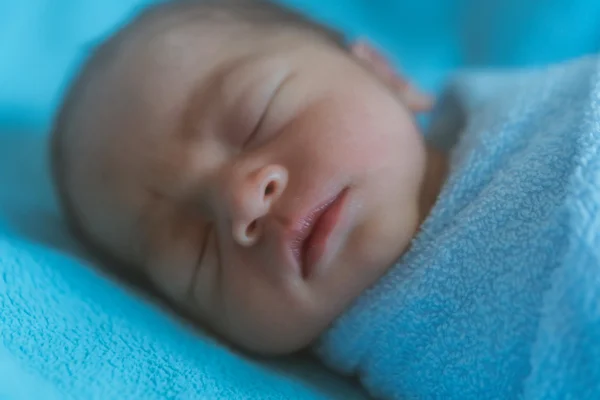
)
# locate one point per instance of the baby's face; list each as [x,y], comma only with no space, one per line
[261,183]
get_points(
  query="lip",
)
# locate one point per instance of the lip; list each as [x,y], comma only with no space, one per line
[309,243]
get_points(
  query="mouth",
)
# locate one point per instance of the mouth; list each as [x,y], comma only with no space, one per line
[310,242]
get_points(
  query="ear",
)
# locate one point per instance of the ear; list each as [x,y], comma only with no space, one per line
[380,66]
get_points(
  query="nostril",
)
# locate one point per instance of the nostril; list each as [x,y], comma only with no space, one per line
[270,189]
[251,229]
[247,235]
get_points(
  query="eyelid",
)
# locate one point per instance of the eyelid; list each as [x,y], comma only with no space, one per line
[209,231]
[201,256]
[285,78]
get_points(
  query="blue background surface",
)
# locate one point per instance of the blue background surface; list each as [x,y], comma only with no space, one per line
[41,41]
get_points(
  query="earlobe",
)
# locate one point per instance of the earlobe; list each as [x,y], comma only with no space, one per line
[376,62]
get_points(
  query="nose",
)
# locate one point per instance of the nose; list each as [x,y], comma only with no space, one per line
[252,200]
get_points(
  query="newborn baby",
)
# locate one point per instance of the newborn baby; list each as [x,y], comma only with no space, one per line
[246,164]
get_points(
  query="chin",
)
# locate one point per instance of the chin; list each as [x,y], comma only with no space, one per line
[282,345]
[276,338]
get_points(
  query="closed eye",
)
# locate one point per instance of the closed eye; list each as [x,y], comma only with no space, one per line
[201,257]
[261,121]
[259,125]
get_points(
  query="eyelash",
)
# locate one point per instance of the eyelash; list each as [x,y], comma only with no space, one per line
[203,249]
[261,121]
[258,126]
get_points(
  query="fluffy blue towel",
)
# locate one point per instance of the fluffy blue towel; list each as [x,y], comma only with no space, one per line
[499,296]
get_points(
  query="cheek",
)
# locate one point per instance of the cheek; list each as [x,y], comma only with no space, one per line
[354,142]
[263,318]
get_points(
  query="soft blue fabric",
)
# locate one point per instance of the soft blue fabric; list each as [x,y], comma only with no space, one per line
[63,328]
[499,296]
[18,383]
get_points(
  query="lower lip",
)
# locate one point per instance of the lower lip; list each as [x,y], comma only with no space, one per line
[316,243]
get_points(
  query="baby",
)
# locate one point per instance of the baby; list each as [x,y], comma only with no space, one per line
[246,164]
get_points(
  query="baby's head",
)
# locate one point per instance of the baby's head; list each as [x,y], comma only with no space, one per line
[256,171]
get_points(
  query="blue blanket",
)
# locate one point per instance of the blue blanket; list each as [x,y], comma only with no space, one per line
[499,296]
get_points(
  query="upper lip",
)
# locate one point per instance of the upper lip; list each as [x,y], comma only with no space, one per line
[303,229]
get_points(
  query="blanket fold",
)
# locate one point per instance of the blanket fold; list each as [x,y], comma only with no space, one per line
[499,296]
